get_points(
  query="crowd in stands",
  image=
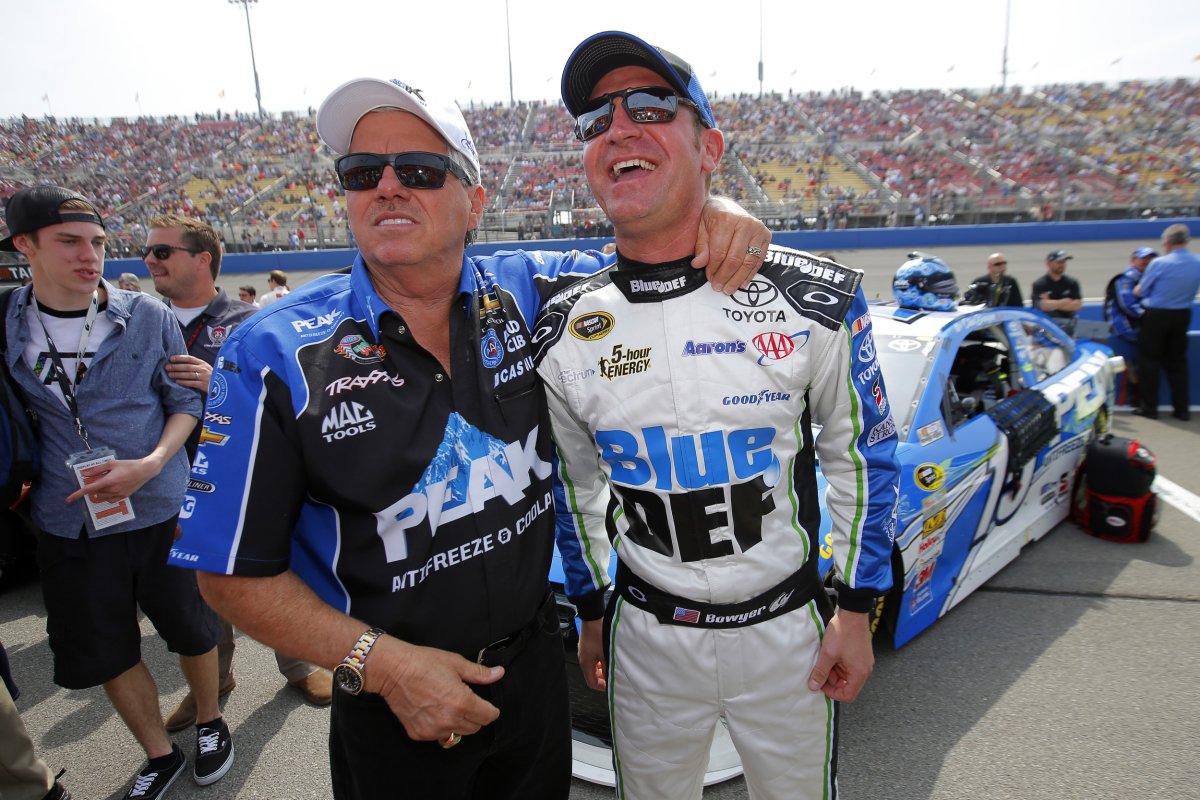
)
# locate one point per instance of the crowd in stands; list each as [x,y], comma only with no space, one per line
[839,158]
[496,127]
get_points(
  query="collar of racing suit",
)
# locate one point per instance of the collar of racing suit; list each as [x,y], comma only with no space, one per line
[652,283]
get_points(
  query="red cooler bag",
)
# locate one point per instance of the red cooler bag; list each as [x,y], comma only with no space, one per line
[1113,499]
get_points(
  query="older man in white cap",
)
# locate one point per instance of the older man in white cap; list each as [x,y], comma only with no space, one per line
[377,489]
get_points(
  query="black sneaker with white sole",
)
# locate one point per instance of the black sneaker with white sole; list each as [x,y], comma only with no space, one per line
[153,782]
[214,752]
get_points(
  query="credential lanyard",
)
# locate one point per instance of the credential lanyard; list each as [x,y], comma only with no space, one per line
[60,372]
[195,334]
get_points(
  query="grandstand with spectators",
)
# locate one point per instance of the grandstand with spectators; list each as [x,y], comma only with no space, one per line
[841,159]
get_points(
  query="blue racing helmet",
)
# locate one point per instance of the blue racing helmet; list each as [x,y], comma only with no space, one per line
[925,282]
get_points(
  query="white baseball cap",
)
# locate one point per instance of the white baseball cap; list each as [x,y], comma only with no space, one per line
[346,105]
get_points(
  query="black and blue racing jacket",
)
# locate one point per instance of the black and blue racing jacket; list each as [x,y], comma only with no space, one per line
[684,424]
[413,497]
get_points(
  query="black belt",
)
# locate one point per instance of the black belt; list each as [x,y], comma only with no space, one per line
[795,591]
[503,652]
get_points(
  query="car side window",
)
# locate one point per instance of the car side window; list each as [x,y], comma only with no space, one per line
[1047,354]
[980,376]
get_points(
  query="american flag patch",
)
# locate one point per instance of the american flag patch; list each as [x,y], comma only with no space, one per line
[686,615]
[860,324]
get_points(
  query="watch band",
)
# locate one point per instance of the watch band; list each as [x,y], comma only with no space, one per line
[358,654]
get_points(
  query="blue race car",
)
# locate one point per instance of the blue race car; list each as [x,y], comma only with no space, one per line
[994,409]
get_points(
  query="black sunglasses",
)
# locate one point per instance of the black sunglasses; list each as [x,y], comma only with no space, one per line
[416,170]
[644,105]
[164,251]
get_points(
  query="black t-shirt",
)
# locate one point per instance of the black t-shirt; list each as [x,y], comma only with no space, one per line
[1064,287]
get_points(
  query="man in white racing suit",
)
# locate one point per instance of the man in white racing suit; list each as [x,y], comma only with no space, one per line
[684,425]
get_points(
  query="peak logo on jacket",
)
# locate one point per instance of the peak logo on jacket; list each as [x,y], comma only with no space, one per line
[317,323]
[470,469]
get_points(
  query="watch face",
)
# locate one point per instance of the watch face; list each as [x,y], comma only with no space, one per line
[348,679]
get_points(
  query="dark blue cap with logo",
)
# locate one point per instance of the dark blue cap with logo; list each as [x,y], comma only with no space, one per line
[600,54]
[1145,252]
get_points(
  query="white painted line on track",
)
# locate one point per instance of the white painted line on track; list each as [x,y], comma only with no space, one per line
[1177,496]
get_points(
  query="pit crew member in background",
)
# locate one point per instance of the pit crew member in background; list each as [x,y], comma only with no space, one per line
[184,259]
[1167,291]
[997,287]
[247,294]
[1124,312]
[683,422]
[380,497]
[129,282]
[1057,293]
[277,288]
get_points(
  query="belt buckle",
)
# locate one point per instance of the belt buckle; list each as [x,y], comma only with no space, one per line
[504,640]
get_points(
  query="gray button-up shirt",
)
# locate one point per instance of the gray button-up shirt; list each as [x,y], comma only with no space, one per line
[124,401]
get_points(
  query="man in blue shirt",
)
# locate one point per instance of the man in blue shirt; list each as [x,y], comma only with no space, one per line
[1167,292]
[90,359]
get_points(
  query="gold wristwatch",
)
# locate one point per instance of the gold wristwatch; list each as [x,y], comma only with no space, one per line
[348,675]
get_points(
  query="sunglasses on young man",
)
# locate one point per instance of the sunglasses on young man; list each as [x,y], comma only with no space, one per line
[162,252]
[362,171]
[645,105]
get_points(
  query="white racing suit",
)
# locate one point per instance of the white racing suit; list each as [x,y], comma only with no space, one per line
[683,424]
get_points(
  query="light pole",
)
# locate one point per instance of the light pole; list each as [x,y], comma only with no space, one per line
[508,34]
[760,50]
[257,91]
[1004,57]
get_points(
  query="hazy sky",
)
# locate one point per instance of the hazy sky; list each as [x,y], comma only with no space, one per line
[125,57]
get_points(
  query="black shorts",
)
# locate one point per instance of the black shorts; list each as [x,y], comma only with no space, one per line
[93,587]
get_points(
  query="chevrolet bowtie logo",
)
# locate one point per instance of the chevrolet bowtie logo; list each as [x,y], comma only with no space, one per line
[208,437]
